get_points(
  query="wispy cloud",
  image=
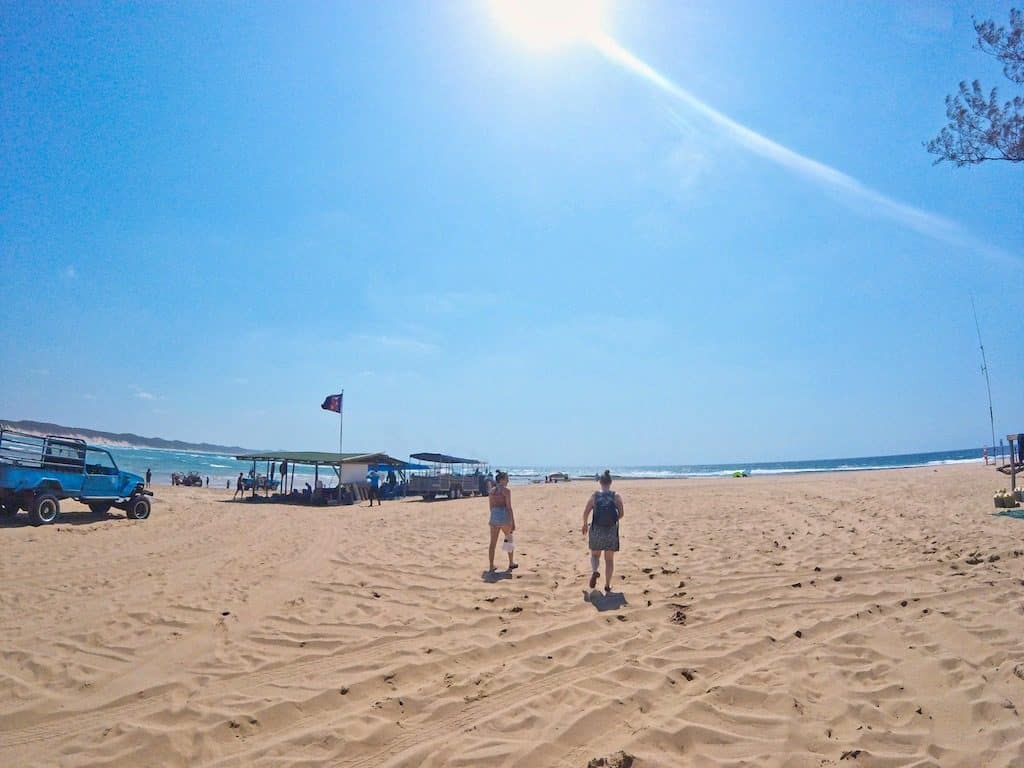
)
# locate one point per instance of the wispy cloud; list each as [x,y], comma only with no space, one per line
[851,190]
[69,273]
[140,395]
[441,303]
[404,343]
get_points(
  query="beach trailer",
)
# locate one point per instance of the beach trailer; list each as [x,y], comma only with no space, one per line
[443,478]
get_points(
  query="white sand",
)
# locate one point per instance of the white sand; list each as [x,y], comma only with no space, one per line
[221,634]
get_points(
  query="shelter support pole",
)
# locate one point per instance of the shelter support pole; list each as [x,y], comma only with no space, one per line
[1013,464]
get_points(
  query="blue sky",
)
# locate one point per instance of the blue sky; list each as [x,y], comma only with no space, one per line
[215,214]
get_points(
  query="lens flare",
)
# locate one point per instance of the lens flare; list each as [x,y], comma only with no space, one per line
[550,23]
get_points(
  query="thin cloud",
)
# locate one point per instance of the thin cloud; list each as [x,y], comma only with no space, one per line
[405,343]
[140,395]
[69,273]
[852,190]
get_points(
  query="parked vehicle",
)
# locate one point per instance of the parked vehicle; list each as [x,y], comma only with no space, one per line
[262,483]
[443,480]
[191,479]
[36,473]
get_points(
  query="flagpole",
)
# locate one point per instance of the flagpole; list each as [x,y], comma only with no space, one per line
[341,427]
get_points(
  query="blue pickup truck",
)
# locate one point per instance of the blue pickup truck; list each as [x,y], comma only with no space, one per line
[37,472]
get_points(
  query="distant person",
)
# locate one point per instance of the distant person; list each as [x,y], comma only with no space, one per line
[239,487]
[604,529]
[284,476]
[149,476]
[373,478]
[502,518]
[207,481]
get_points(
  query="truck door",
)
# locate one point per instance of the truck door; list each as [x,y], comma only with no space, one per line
[100,475]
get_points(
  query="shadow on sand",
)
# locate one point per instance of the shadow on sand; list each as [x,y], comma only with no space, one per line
[1015,513]
[605,601]
[494,576]
[64,518]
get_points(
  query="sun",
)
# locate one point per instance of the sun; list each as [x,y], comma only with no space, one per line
[551,23]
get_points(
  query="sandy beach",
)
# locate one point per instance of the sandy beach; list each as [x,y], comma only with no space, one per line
[862,619]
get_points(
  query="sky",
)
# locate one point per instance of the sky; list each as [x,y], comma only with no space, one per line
[713,237]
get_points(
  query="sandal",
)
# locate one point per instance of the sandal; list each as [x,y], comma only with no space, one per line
[593,579]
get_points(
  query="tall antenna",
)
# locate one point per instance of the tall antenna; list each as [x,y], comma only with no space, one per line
[984,369]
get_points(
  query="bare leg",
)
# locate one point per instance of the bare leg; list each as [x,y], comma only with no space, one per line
[609,568]
[595,563]
[494,541]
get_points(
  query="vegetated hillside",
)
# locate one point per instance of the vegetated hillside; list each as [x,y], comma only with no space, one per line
[122,439]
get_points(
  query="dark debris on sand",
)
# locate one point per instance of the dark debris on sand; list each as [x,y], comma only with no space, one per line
[618,760]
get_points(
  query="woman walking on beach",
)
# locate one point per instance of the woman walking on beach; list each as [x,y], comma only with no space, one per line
[604,530]
[502,519]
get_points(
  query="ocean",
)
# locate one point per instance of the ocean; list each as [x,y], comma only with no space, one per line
[222,469]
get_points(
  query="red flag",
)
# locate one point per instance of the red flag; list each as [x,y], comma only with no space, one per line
[332,403]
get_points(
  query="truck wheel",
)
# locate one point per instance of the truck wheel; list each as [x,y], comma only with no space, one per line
[100,507]
[138,508]
[45,508]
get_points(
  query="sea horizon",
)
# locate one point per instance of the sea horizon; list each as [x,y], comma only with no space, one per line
[221,468]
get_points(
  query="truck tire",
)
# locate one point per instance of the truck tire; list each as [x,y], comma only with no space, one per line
[100,507]
[137,508]
[44,510]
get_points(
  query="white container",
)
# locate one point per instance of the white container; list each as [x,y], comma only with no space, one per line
[509,545]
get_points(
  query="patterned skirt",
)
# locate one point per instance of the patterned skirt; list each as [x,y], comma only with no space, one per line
[604,537]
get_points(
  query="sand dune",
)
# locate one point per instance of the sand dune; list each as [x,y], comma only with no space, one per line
[861,619]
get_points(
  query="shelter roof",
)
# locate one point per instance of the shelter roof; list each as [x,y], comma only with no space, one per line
[441,458]
[402,465]
[321,457]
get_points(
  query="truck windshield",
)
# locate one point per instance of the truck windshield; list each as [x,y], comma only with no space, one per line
[98,462]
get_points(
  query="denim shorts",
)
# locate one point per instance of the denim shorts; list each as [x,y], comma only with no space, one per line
[499,516]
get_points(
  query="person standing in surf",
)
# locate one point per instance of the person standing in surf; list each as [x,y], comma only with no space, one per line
[503,519]
[603,529]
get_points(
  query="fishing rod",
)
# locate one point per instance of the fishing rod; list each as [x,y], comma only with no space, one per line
[984,369]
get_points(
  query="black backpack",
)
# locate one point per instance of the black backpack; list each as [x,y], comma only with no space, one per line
[605,512]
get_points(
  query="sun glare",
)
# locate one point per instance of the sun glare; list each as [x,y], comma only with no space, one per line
[550,23]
